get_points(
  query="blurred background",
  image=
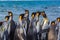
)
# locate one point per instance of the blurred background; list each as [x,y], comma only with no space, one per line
[51,8]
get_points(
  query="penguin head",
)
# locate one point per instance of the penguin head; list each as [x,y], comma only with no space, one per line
[7,18]
[53,23]
[58,19]
[42,13]
[38,13]
[27,12]
[21,16]
[10,13]
[33,15]
[44,16]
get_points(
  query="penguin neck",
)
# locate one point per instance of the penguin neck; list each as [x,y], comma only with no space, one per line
[11,18]
[37,18]
[20,22]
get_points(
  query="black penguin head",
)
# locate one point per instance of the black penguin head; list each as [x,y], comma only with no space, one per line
[33,14]
[21,16]
[10,13]
[58,19]
[7,18]
[53,23]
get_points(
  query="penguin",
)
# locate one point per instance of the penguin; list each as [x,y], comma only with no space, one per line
[45,26]
[52,35]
